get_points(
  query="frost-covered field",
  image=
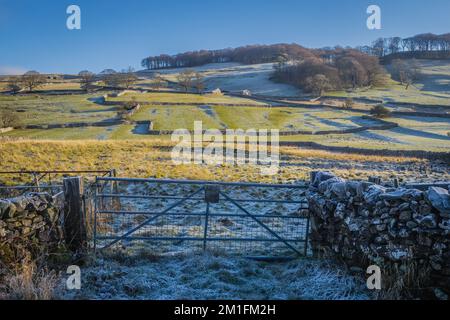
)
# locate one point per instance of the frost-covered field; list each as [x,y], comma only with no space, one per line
[215,276]
[236,77]
[255,78]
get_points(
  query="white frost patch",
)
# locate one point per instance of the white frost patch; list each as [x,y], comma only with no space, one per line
[255,78]
[238,77]
[211,276]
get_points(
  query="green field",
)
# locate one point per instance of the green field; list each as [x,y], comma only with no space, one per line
[50,109]
[184,98]
[56,85]
[222,117]
[414,133]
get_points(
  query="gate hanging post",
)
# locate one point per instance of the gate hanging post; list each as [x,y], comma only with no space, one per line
[212,195]
[74,215]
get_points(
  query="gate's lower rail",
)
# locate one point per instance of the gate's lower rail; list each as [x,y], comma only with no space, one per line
[172,216]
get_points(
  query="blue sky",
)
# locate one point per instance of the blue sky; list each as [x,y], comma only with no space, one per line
[116,34]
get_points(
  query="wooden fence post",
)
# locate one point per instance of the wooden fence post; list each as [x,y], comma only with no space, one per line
[74,215]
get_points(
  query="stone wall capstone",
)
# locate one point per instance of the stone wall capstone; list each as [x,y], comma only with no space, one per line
[366,224]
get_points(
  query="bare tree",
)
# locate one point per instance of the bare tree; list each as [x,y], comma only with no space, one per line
[318,84]
[186,78]
[159,81]
[32,80]
[108,76]
[352,72]
[407,72]
[87,79]
[14,85]
[111,79]
[127,78]
[398,67]
[379,47]
[199,82]
[414,72]
[124,79]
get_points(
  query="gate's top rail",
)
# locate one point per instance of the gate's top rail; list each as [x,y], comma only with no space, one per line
[43,179]
[202,182]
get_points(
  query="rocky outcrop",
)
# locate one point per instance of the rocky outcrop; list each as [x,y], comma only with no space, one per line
[29,225]
[365,224]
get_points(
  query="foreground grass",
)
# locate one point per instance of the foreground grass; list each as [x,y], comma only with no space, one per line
[28,281]
[214,275]
[141,158]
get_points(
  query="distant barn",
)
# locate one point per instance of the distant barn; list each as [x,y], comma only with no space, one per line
[217,91]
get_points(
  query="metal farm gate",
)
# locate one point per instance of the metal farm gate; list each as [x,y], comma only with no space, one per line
[175,216]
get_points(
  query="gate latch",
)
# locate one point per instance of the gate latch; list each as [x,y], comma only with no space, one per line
[212,194]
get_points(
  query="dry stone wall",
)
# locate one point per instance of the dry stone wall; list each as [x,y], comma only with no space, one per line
[367,224]
[29,226]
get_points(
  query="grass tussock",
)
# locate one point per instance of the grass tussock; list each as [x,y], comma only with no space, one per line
[405,281]
[29,281]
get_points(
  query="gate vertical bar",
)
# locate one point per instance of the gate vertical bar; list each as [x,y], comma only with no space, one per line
[111,187]
[36,182]
[50,184]
[95,213]
[307,236]
[205,235]
[115,190]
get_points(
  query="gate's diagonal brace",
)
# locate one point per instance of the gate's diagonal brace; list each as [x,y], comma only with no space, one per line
[122,237]
[260,223]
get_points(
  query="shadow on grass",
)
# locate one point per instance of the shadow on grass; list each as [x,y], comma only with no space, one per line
[419,133]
